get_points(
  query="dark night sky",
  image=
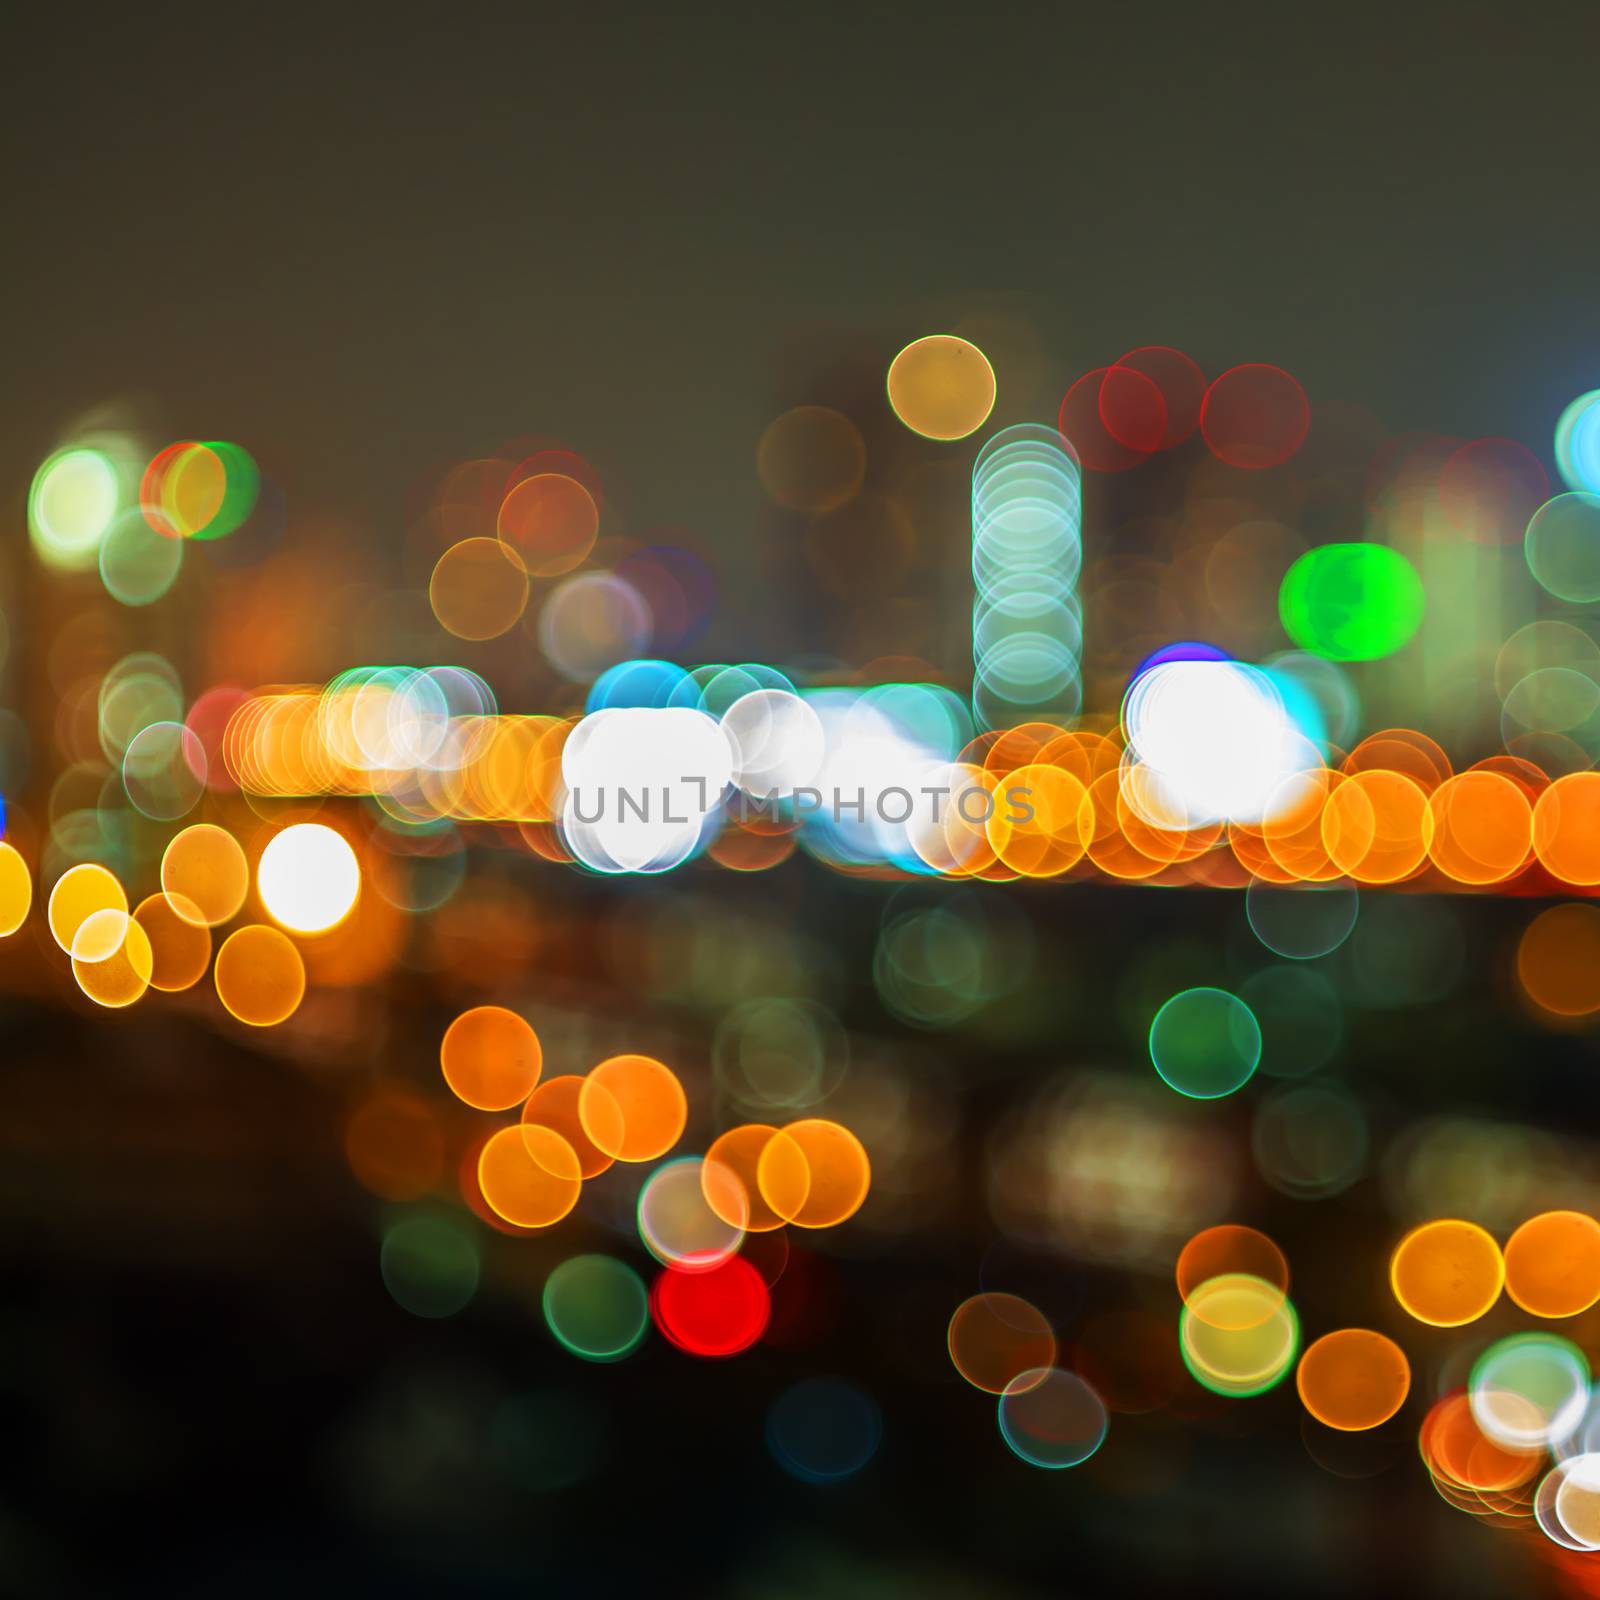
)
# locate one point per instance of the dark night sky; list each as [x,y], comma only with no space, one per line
[364,244]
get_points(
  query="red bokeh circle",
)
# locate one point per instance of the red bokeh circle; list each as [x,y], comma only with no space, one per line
[1133,409]
[1255,416]
[208,721]
[1182,385]
[1080,419]
[716,1313]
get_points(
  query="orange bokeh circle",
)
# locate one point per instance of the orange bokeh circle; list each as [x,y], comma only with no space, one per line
[529,1175]
[550,521]
[1566,828]
[1456,1450]
[633,1108]
[259,976]
[1553,1264]
[491,1058]
[836,1162]
[1230,1249]
[1447,1272]
[1558,960]
[180,942]
[740,1151]
[1353,1379]
[204,866]
[994,1339]
[554,1105]
[1377,827]
[1482,827]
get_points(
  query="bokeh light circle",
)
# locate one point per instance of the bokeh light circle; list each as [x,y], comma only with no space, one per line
[1562,546]
[137,564]
[838,1172]
[1566,828]
[1558,960]
[79,892]
[736,1155]
[259,975]
[164,771]
[1205,1043]
[491,1058]
[1254,416]
[776,1052]
[942,387]
[16,890]
[71,504]
[1182,385]
[554,1104]
[1230,1250]
[590,621]
[529,1176]
[596,1307]
[1302,922]
[1351,602]
[1447,1272]
[204,868]
[823,1430]
[395,1144]
[1133,408]
[678,1223]
[633,1108]
[1529,1391]
[1489,487]
[308,877]
[1553,1264]
[1577,443]
[1106,407]
[1310,1140]
[111,958]
[549,521]
[194,490]
[1482,826]
[479,589]
[1238,1335]
[1353,1379]
[995,1338]
[713,1314]
[1300,1015]
[811,458]
[1052,1418]
[429,1266]
[1467,1466]
[1567,1505]
[180,942]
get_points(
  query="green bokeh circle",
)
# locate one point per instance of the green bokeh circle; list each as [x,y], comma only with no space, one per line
[1351,602]
[1205,1043]
[596,1306]
[429,1265]
[1562,547]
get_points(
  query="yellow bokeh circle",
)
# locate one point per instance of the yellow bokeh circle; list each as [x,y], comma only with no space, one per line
[942,387]
[111,958]
[16,890]
[81,891]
